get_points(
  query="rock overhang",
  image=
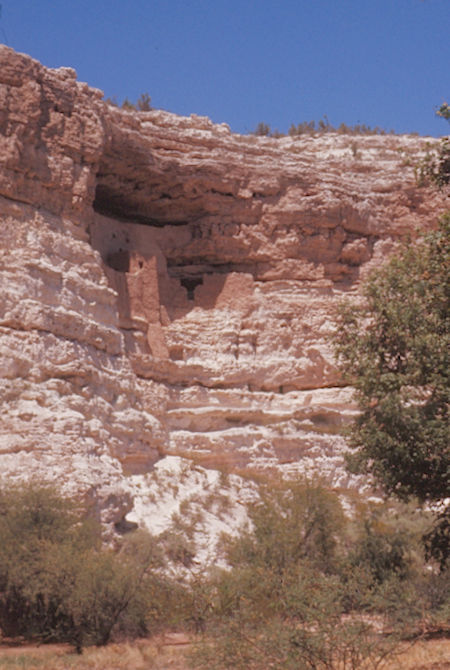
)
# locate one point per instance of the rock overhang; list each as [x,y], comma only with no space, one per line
[169,286]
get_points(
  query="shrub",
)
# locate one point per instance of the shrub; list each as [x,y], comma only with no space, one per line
[262,129]
[293,521]
[39,534]
[144,103]
[285,602]
[57,582]
[128,105]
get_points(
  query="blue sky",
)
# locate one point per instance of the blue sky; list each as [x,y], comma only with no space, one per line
[378,62]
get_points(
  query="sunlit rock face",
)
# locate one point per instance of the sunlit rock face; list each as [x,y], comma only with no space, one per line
[168,287]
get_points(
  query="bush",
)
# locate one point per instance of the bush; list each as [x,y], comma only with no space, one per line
[382,547]
[293,521]
[57,582]
[39,534]
[306,587]
[286,602]
[262,129]
[144,103]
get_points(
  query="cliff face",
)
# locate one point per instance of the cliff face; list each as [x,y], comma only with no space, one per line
[167,287]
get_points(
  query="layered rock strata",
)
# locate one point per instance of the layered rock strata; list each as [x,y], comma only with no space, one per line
[168,287]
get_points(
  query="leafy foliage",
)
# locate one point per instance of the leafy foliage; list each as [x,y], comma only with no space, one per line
[57,582]
[434,168]
[289,599]
[305,588]
[444,111]
[292,522]
[394,349]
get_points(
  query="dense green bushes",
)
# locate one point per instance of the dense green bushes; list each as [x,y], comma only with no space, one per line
[310,588]
[57,582]
[306,586]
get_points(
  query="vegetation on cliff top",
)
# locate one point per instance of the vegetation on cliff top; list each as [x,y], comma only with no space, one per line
[320,127]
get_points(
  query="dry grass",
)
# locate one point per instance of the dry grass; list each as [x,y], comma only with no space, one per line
[157,654]
[424,655]
[151,654]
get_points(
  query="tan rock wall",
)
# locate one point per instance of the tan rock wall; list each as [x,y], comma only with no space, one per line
[169,287]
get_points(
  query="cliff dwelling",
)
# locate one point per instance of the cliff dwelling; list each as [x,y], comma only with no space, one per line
[169,287]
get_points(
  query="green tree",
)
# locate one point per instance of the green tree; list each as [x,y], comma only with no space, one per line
[110,586]
[39,533]
[393,347]
[444,111]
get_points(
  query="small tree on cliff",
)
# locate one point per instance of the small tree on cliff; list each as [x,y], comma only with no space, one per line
[144,103]
[394,349]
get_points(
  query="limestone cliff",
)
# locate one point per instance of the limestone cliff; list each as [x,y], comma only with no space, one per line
[167,286]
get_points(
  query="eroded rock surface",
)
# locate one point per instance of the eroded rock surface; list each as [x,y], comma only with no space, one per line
[167,287]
